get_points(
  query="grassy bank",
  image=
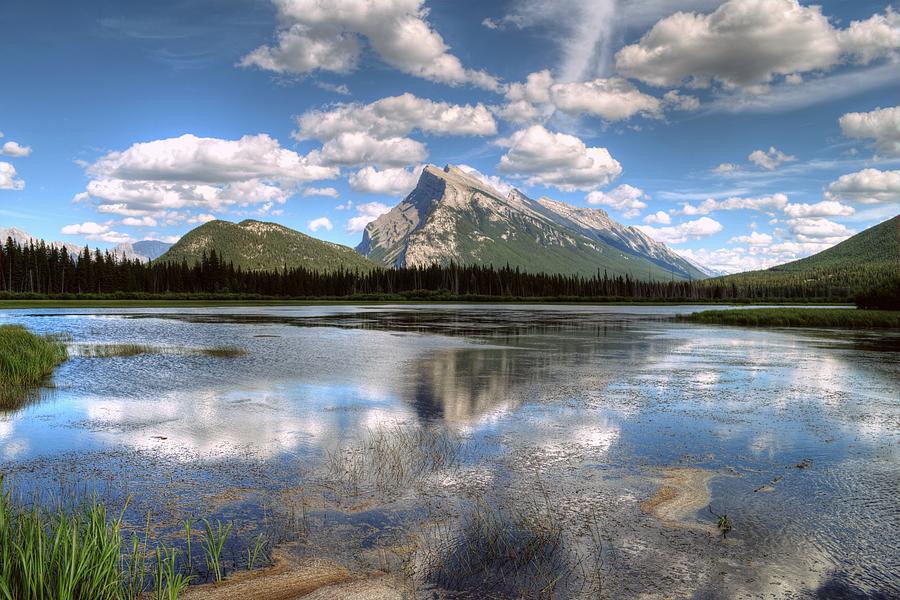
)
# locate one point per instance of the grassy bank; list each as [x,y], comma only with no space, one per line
[799,317]
[27,359]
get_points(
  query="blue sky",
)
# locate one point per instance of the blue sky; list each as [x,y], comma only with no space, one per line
[743,133]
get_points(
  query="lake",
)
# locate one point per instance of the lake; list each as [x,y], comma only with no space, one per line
[487,450]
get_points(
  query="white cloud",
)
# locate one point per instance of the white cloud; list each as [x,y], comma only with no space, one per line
[754,239]
[881,125]
[8,179]
[350,149]
[877,36]
[747,43]
[677,101]
[326,35]
[818,229]
[626,199]
[658,218]
[613,99]
[725,168]
[97,232]
[15,150]
[189,172]
[396,116]
[762,203]
[356,134]
[140,222]
[535,90]
[341,89]
[329,192]
[825,208]
[365,214]
[387,182]
[320,223]
[869,186]
[557,160]
[201,218]
[770,159]
[702,227]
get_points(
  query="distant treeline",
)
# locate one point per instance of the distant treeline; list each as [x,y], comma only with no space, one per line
[41,270]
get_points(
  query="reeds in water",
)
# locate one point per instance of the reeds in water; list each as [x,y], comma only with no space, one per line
[27,359]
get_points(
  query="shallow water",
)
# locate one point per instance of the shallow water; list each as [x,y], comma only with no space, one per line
[584,410]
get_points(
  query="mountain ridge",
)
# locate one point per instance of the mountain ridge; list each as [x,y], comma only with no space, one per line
[264,246]
[452,215]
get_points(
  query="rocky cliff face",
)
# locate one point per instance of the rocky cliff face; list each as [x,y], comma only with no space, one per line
[454,216]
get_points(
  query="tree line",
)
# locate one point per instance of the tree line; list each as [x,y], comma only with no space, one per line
[41,269]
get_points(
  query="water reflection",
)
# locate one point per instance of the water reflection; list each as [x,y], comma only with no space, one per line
[584,404]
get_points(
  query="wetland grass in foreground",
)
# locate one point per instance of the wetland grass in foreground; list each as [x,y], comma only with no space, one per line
[83,553]
[845,318]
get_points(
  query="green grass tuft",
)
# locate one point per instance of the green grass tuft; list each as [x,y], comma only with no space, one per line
[27,359]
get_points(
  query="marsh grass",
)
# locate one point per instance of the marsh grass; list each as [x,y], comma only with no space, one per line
[27,359]
[126,350]
[514,550]
[847,318]
[79,551]
[391,459]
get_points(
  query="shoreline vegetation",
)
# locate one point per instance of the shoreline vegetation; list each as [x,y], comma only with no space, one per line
[841,318]
[142,300]
[27,359]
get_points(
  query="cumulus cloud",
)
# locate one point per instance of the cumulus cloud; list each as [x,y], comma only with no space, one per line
[819,229]
[762,203]
[375,133]
[825,208]
[747,43]
[557,160]
[725,168]
[15,150]
[8,180]
[754,239]
[613,99]
[881,125]
[387,182]
[625,198]
[341,89]
[328,192]
[189,172]
[675,234]
[365,214]
[97,232]
[770,159]
[658,218]
[320,223]
[315,35]
[869,186]
[139,222]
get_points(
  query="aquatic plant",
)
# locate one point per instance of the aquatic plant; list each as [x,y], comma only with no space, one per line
[213,543]
[27,359]
[253,552]
[223,351]
[169,583]
[113,350]
[58,555]
[393,458]
[516,549]
[847,318]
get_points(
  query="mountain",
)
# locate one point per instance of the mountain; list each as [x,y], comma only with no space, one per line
[869,258]
[454,216]
[22,237]
[152,249]
[258,246]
